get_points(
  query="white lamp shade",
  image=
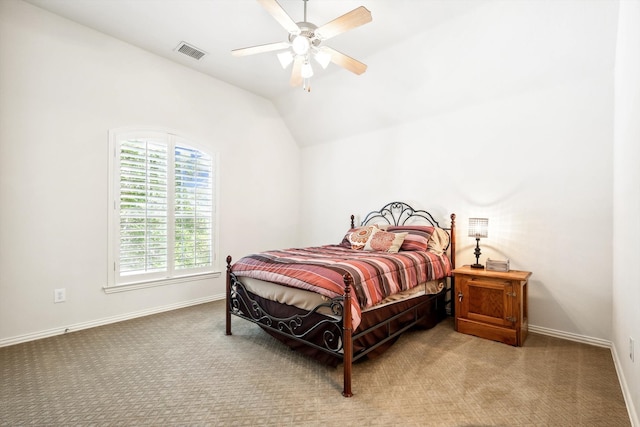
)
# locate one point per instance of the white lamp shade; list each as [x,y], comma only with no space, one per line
[478,227]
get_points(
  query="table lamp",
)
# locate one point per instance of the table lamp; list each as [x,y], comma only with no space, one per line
[478,228]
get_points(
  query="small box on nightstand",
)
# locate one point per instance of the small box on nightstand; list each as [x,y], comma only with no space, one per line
[497,265]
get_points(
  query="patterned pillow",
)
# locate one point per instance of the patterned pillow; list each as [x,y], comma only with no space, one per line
[358,237]
[384,241]
[418,238]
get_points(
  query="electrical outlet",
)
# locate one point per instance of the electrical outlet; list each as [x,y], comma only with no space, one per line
[631,345]
[59,295]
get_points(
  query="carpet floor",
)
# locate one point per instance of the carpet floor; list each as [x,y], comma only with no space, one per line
[179,369]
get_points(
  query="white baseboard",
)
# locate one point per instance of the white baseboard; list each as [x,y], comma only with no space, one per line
[633,415]
[570,336]
[105,321]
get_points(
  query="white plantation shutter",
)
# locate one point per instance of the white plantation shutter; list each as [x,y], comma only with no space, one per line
[163,208]
[193,208]
[143,206]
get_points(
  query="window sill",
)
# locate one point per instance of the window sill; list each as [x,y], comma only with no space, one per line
[161,282]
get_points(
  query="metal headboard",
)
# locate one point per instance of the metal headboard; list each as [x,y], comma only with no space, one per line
[398,213]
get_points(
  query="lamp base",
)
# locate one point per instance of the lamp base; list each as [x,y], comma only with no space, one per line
[477,266]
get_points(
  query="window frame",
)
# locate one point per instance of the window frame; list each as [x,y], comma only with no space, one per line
[117,282]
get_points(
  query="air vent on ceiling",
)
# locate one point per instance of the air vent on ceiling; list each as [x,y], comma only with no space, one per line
[190,50]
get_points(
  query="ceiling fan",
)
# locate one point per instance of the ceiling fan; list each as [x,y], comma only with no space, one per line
[305,42]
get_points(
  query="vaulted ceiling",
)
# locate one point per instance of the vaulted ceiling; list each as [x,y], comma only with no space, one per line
[423,56]
[218,26]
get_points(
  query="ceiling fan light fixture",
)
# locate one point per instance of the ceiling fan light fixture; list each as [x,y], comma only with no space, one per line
[323,58]
[285,58]
[300,45]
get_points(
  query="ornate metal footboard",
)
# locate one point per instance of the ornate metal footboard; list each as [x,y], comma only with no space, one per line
[298,327]
[336,327]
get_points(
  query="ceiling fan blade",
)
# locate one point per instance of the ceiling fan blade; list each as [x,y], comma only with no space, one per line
[345,61]
[296,72]
[260,49]
[283,18]
[357,17]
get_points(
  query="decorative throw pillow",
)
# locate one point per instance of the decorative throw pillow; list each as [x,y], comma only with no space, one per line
[417,239]
[358,237]
[345,240]
[384,241]
[439,241]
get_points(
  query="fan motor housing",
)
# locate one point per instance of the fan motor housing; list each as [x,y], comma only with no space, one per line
[308,30]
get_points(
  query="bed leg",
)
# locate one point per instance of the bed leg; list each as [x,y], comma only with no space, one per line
[347,329]
[452,243]
[452,257]
[227,310]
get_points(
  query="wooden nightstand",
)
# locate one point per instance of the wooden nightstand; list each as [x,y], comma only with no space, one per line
[492,304]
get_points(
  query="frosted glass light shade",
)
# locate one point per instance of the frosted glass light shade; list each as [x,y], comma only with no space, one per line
[306,70]
[285,58]
[323,58]
[300,45]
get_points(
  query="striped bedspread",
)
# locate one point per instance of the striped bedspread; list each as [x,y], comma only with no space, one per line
[376,275]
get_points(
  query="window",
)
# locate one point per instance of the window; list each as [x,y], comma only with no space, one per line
[162,203]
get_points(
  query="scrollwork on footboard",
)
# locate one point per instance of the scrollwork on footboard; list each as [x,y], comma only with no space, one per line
[299,327]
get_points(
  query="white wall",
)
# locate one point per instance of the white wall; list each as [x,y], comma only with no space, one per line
[507,114]
[62,88]
[626,203]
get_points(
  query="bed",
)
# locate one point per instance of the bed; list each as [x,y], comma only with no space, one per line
[350,300]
